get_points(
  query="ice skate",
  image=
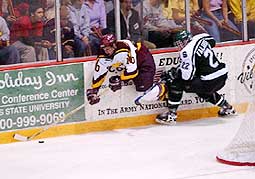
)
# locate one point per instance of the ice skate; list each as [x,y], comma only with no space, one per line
[227,111]
[167,118]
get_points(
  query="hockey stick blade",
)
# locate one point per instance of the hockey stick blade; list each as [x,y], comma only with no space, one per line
[20,137]
[44,128]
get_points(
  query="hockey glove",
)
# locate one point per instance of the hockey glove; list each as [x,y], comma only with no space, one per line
[115,83]
[92,96]
[170,75]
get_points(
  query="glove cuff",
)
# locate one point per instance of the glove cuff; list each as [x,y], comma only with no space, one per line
[92,91]
[115,83]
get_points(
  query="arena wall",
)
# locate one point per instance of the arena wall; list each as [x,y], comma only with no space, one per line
[34,95]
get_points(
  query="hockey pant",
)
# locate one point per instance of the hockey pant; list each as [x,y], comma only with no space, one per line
[204,89]
[146,69]
[156,92]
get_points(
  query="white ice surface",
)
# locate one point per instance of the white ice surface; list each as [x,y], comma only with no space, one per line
[184,151]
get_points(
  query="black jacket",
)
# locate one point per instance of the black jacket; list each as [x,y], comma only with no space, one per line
[135,29]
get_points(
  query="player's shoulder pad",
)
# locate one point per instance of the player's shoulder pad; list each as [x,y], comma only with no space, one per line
[207,38]
[188,50]
[102,56]
[122,46]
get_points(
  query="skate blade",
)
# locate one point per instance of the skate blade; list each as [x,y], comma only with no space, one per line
[229,115]
[171,123]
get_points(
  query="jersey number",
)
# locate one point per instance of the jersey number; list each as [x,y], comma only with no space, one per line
[97,67]
[208,53]
[185,65]
[130,59]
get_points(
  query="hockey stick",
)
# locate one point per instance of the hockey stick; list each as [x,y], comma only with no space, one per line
[44,128]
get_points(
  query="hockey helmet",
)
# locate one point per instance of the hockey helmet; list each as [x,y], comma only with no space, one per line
[182,38]
[107,40]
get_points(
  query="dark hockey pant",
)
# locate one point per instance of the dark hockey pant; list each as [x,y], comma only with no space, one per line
[204,89]
[146,69]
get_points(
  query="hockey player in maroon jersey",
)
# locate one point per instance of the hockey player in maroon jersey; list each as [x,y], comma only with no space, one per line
[136,60]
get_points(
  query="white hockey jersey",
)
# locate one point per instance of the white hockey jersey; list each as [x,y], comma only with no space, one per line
[198,59]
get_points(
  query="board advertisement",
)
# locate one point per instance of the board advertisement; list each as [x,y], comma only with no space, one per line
[37,97]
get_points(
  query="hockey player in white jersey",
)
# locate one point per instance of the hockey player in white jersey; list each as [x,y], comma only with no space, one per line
[199,72]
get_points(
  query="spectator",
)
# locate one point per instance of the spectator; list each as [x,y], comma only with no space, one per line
[131,27]
[66,2]
[160,29]
[27,34]
[11,10]
[67,35]
[178,14]
[216,11]
[49,9]
[167,9]
[3,7]
[178,9]
[80,20]
[97,15]
[96,11]
[236,9]
[8,53]
[108,5]
[21,7]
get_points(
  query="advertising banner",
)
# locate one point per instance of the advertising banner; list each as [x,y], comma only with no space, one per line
[121,104]
[37,97]
[240,61]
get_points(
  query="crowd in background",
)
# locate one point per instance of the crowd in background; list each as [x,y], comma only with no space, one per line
[27,27]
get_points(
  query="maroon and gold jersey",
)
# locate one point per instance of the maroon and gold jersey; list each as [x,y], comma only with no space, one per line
[124,56]
[136,61]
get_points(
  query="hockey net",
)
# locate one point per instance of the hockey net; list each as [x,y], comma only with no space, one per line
[241,150]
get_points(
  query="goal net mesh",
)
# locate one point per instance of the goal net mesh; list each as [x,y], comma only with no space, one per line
[241,150]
